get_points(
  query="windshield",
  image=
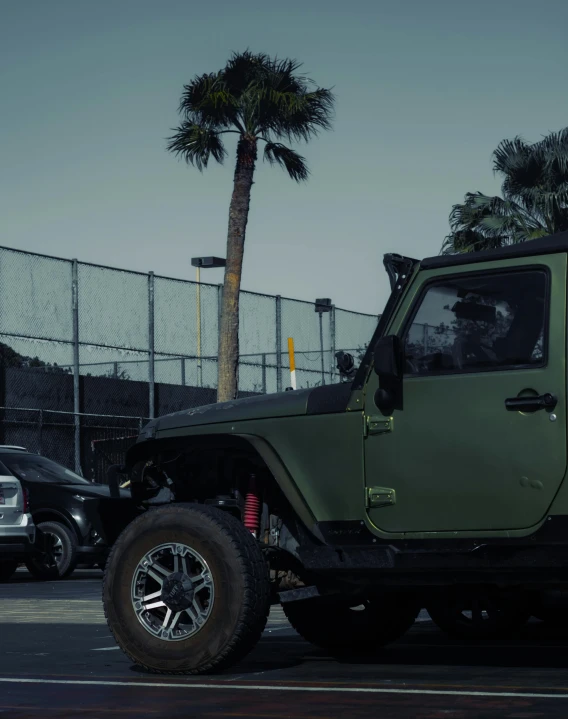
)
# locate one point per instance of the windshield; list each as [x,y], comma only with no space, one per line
[32,468]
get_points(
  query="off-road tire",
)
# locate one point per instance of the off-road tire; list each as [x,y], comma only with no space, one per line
[499,624]
[7,569]
[339,627]
[40,568]
[241,580]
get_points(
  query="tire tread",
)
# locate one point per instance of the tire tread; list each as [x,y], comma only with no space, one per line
[256,604]
[70,538]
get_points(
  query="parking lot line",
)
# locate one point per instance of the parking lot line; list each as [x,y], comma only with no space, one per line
[287,688]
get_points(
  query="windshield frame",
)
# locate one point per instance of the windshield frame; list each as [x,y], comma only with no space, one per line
[401,271]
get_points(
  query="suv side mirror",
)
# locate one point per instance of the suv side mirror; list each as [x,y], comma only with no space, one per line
[388,360]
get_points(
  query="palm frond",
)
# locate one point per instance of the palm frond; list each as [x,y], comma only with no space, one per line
[555,147]
[259,97]
[534,199]
[244,69]
[510,154]
[273,98]
[469,241]
[298,116]
[288,159]
[196,144]
[208,101]
[247,71]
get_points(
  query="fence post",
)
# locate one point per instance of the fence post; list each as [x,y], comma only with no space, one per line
[278,343]
[321,348]
[183,371]
[263,374]
[40,432]
[76,383]
[151,384]
[332,341]
[198,308]
[425,337]
[2,396]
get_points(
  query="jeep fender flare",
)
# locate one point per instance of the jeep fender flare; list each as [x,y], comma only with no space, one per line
[283,478]
[144,450]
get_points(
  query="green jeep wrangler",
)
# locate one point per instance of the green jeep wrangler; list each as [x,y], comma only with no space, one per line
[433,478]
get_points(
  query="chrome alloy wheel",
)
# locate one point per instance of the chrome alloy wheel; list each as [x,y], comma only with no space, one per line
[172,592]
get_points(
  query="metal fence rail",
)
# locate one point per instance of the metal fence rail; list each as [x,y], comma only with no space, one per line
[52,434]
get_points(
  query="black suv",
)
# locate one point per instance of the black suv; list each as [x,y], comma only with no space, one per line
[63,507]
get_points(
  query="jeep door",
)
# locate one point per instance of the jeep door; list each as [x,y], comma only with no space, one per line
[462,454]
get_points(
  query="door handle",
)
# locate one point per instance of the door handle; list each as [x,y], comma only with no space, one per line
[531,404]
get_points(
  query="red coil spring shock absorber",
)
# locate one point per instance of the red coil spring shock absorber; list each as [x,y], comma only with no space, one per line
[252,507]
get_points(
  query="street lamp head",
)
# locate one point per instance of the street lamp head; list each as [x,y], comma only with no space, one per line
[323,304]
[206,262]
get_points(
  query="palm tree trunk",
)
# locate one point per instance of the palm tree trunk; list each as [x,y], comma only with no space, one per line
[238,215]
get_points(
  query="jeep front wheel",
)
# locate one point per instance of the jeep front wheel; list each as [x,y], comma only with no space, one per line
[186,590]
[344,627]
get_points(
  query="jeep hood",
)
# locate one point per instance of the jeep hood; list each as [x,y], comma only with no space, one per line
[319,400]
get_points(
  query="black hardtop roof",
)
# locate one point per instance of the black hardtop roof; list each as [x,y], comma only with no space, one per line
[541,246]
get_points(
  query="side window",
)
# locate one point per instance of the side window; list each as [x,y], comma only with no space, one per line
[479,322]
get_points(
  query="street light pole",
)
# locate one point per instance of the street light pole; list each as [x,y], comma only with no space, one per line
[198,263]
[323,304]
[321,348]
[198,302]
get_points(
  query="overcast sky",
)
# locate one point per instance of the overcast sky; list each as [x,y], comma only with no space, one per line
[425,89]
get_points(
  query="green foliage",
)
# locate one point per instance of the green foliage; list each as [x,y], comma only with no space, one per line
[259,98]
[10,358]
[197,144]
[534,200]
[293,163]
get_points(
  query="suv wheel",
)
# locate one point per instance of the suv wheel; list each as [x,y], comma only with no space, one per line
[482,615]
[344,627]
[186,590]
[61,559]
[7,569]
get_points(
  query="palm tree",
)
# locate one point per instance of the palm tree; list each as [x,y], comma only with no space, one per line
[534,200]
[260,99]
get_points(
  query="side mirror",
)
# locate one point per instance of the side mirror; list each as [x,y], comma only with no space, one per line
[388,360]
[388,357]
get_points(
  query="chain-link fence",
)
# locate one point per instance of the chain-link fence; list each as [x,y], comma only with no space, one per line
[88,352]
[104,439]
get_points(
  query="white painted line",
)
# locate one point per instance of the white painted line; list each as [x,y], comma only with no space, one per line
[284,688]
[104,649]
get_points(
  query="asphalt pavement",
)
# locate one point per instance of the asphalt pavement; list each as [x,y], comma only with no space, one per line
[58,659]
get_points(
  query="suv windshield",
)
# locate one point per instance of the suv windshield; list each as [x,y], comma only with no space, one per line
[32,468]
